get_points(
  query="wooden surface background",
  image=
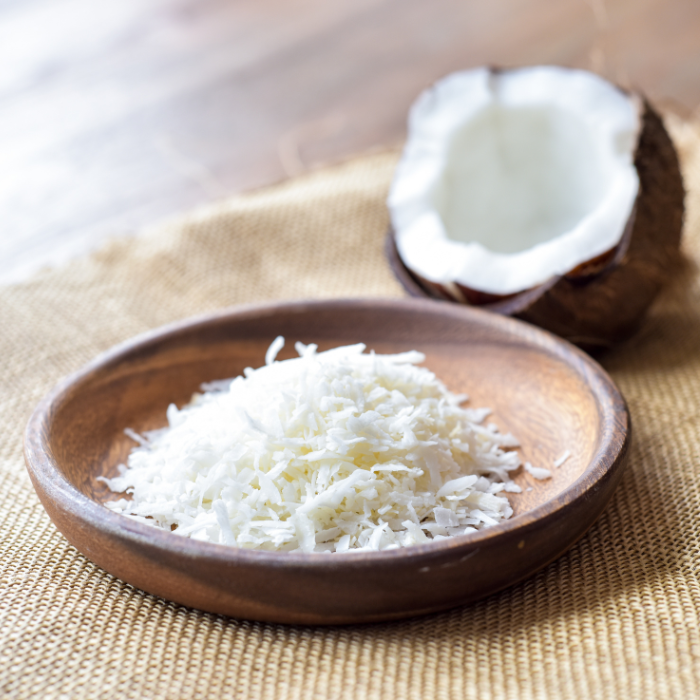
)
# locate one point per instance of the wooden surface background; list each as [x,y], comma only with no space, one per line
[116,113]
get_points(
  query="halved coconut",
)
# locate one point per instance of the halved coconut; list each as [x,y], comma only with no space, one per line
[544,193]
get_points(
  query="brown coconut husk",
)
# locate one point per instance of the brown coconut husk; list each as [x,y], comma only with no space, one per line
[602,301]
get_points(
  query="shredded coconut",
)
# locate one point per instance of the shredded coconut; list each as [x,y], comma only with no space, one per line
[562,459]
[337,451]
[538,472]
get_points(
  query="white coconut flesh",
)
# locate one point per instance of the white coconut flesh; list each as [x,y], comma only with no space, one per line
[510,178]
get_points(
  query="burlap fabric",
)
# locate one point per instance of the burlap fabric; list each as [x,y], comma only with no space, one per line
[616,617]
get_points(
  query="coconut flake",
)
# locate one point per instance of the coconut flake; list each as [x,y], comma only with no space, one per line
[276,345]
[562,459]
[537,472]
[334,451]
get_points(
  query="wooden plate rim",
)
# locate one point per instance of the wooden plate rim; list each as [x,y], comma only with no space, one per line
[614,444]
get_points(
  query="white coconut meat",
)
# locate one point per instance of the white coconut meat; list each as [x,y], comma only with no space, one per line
[333,451]
[510,178]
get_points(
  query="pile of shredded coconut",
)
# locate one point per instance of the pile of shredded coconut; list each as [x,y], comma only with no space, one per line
[329,452]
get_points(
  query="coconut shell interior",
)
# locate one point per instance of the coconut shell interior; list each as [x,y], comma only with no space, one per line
[602,301]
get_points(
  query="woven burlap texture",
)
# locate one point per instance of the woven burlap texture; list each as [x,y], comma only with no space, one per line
[617,616]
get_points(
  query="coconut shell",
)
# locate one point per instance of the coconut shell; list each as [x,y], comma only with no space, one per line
[602,301]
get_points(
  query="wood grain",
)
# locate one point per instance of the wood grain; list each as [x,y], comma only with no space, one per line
[553,397]
[117,113]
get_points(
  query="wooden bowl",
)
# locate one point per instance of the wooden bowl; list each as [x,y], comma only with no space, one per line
[553,397]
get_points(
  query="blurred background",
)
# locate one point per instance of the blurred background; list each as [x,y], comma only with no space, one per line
[117,113]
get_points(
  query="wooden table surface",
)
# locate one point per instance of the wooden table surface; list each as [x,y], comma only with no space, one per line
[117,113]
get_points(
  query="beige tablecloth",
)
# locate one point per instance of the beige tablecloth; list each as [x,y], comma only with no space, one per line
[616,617]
